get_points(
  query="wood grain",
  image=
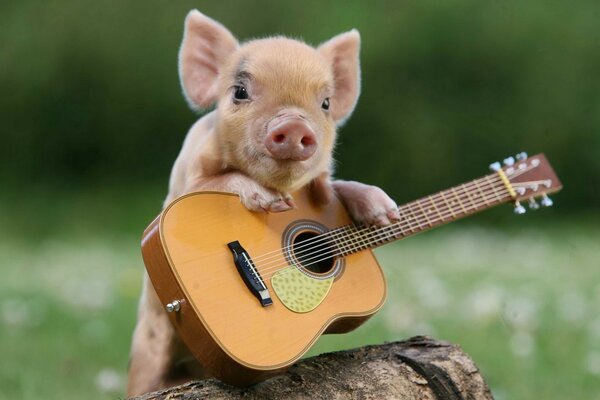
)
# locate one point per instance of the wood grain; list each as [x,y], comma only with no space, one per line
[417,368]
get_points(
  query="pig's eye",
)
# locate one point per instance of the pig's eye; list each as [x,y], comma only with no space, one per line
[240,93]
[325,105]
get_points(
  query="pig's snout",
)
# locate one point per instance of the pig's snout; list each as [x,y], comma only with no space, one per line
[290,138]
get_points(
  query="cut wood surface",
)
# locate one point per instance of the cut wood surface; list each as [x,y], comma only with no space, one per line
[417,368]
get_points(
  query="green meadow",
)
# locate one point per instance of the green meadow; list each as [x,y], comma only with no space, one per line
[93,118]
[522,299]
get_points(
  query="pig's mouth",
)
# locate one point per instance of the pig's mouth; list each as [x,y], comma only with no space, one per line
[284,174]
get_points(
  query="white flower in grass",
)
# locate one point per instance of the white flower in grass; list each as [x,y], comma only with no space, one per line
[522,312]
[430,290]
[484,303]
[597,295]
[499,394]
[422,328]
[22,313]
[594,329]
[109,381]
[572,307]
[399,317]
[15,313]
[592,363]
[522,344]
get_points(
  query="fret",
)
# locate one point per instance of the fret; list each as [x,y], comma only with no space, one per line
[492,185]
[485,201]
[401,230]
[379,235]
[350,245]
[355,239]
[395,230]
[447,204]
[364,243]
[506,189]
[436,208]
[408,219]
[360,235]
[336,244]
[469,196]
[414,218]
[368,238]
[335,234]
[424,213]
[458,200]
[341,245]
[384,234]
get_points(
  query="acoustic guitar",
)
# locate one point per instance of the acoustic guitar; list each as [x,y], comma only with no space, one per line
[249,293]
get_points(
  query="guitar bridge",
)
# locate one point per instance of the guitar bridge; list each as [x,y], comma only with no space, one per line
[250,274]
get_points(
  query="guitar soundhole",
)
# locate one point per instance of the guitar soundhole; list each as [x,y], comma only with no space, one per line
[313,254]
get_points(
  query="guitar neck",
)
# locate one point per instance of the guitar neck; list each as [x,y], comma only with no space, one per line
[425,213]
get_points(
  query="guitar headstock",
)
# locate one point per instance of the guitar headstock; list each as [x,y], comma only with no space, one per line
[529,178]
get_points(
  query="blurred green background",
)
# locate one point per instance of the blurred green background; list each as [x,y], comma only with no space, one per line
[93,118]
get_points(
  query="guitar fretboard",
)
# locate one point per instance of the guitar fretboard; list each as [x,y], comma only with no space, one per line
[423,214]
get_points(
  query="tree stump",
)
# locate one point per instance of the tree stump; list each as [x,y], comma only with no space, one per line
[417,368]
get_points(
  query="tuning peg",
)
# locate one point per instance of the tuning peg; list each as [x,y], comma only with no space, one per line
[495,166]
[509,161]
[546,201]
[519,209]
[533,204]
[521,156]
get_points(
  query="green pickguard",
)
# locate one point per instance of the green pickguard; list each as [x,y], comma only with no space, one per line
[298,291]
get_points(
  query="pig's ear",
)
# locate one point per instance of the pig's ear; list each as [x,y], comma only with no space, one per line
[342,52]
[206,45]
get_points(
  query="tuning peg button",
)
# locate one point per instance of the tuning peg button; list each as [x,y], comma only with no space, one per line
[521,156]
[519,209]
[533,204]
[546,201]
[495,166]
[509,161]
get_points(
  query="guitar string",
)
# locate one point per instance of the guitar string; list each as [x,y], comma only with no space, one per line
[344,230]
[490,190]
[339,231]
[412,212]
[283,267]
[491,193]
[352,233]
[392,230]
[347,230]
[350,230]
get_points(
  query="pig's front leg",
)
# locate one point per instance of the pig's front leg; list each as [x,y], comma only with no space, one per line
[367,204]
[253,195]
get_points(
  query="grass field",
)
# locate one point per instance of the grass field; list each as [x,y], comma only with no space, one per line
[523,300]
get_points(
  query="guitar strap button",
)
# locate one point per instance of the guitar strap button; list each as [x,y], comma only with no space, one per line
[174,306]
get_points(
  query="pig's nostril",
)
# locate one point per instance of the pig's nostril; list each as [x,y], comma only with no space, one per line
[279,138]
[307,141]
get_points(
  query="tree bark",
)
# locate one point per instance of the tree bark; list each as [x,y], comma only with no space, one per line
[417,368]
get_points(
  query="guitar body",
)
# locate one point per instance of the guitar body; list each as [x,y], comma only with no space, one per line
[235,337]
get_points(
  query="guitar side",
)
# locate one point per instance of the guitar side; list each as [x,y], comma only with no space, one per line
[224,325]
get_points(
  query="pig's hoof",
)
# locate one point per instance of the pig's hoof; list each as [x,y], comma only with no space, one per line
[372,206]
[263,199]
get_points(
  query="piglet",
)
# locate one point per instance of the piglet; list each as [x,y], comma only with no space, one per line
[278,103]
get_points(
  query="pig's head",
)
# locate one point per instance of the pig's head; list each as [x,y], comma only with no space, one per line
[278,100]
